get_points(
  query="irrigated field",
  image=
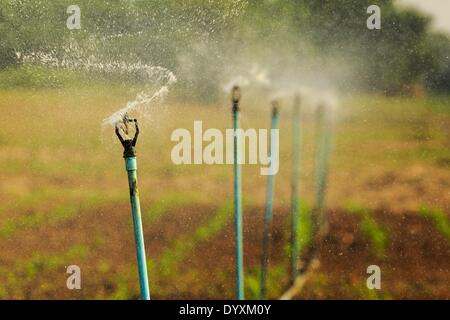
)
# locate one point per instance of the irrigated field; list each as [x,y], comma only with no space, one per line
[64,200]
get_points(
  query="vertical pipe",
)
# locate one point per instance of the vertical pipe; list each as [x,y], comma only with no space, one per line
[269,207]
[238,197]
[295,203]
[131,167]
[322,155]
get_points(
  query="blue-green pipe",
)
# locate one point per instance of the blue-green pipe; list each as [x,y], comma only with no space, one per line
[295,188]
[322,158]
[238,199]
[131,167]
[269,209]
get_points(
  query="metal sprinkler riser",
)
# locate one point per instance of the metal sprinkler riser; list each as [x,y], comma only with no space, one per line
[129,155]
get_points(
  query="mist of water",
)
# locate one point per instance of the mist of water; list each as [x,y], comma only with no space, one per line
[150,74]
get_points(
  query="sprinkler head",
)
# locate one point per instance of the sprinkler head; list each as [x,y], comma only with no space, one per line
[275,107]
[124,123]
[126,118]
[321,109]
[127,142]
[324,112]
[235,95]
[297,100]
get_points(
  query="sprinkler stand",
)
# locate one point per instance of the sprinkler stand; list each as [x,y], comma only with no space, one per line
[129,155]
[236,96]
[322,156]
[269,208]
[295,202]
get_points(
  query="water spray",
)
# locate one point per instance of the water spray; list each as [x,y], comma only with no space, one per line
[295,189]
[269,207]
[129,155]
[235,97]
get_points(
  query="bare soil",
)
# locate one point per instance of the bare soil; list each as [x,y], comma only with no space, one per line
[415,264]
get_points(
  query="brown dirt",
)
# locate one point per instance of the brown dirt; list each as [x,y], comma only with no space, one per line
[107,232]
[415,265]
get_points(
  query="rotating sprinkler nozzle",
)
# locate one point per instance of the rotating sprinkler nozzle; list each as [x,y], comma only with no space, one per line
[275,108]
[129,155]
[127,143]
[295,189]
[126,119]
[269,206]
[235,98]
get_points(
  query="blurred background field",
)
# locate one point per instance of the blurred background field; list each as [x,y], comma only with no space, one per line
[63,189]
[65,198]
